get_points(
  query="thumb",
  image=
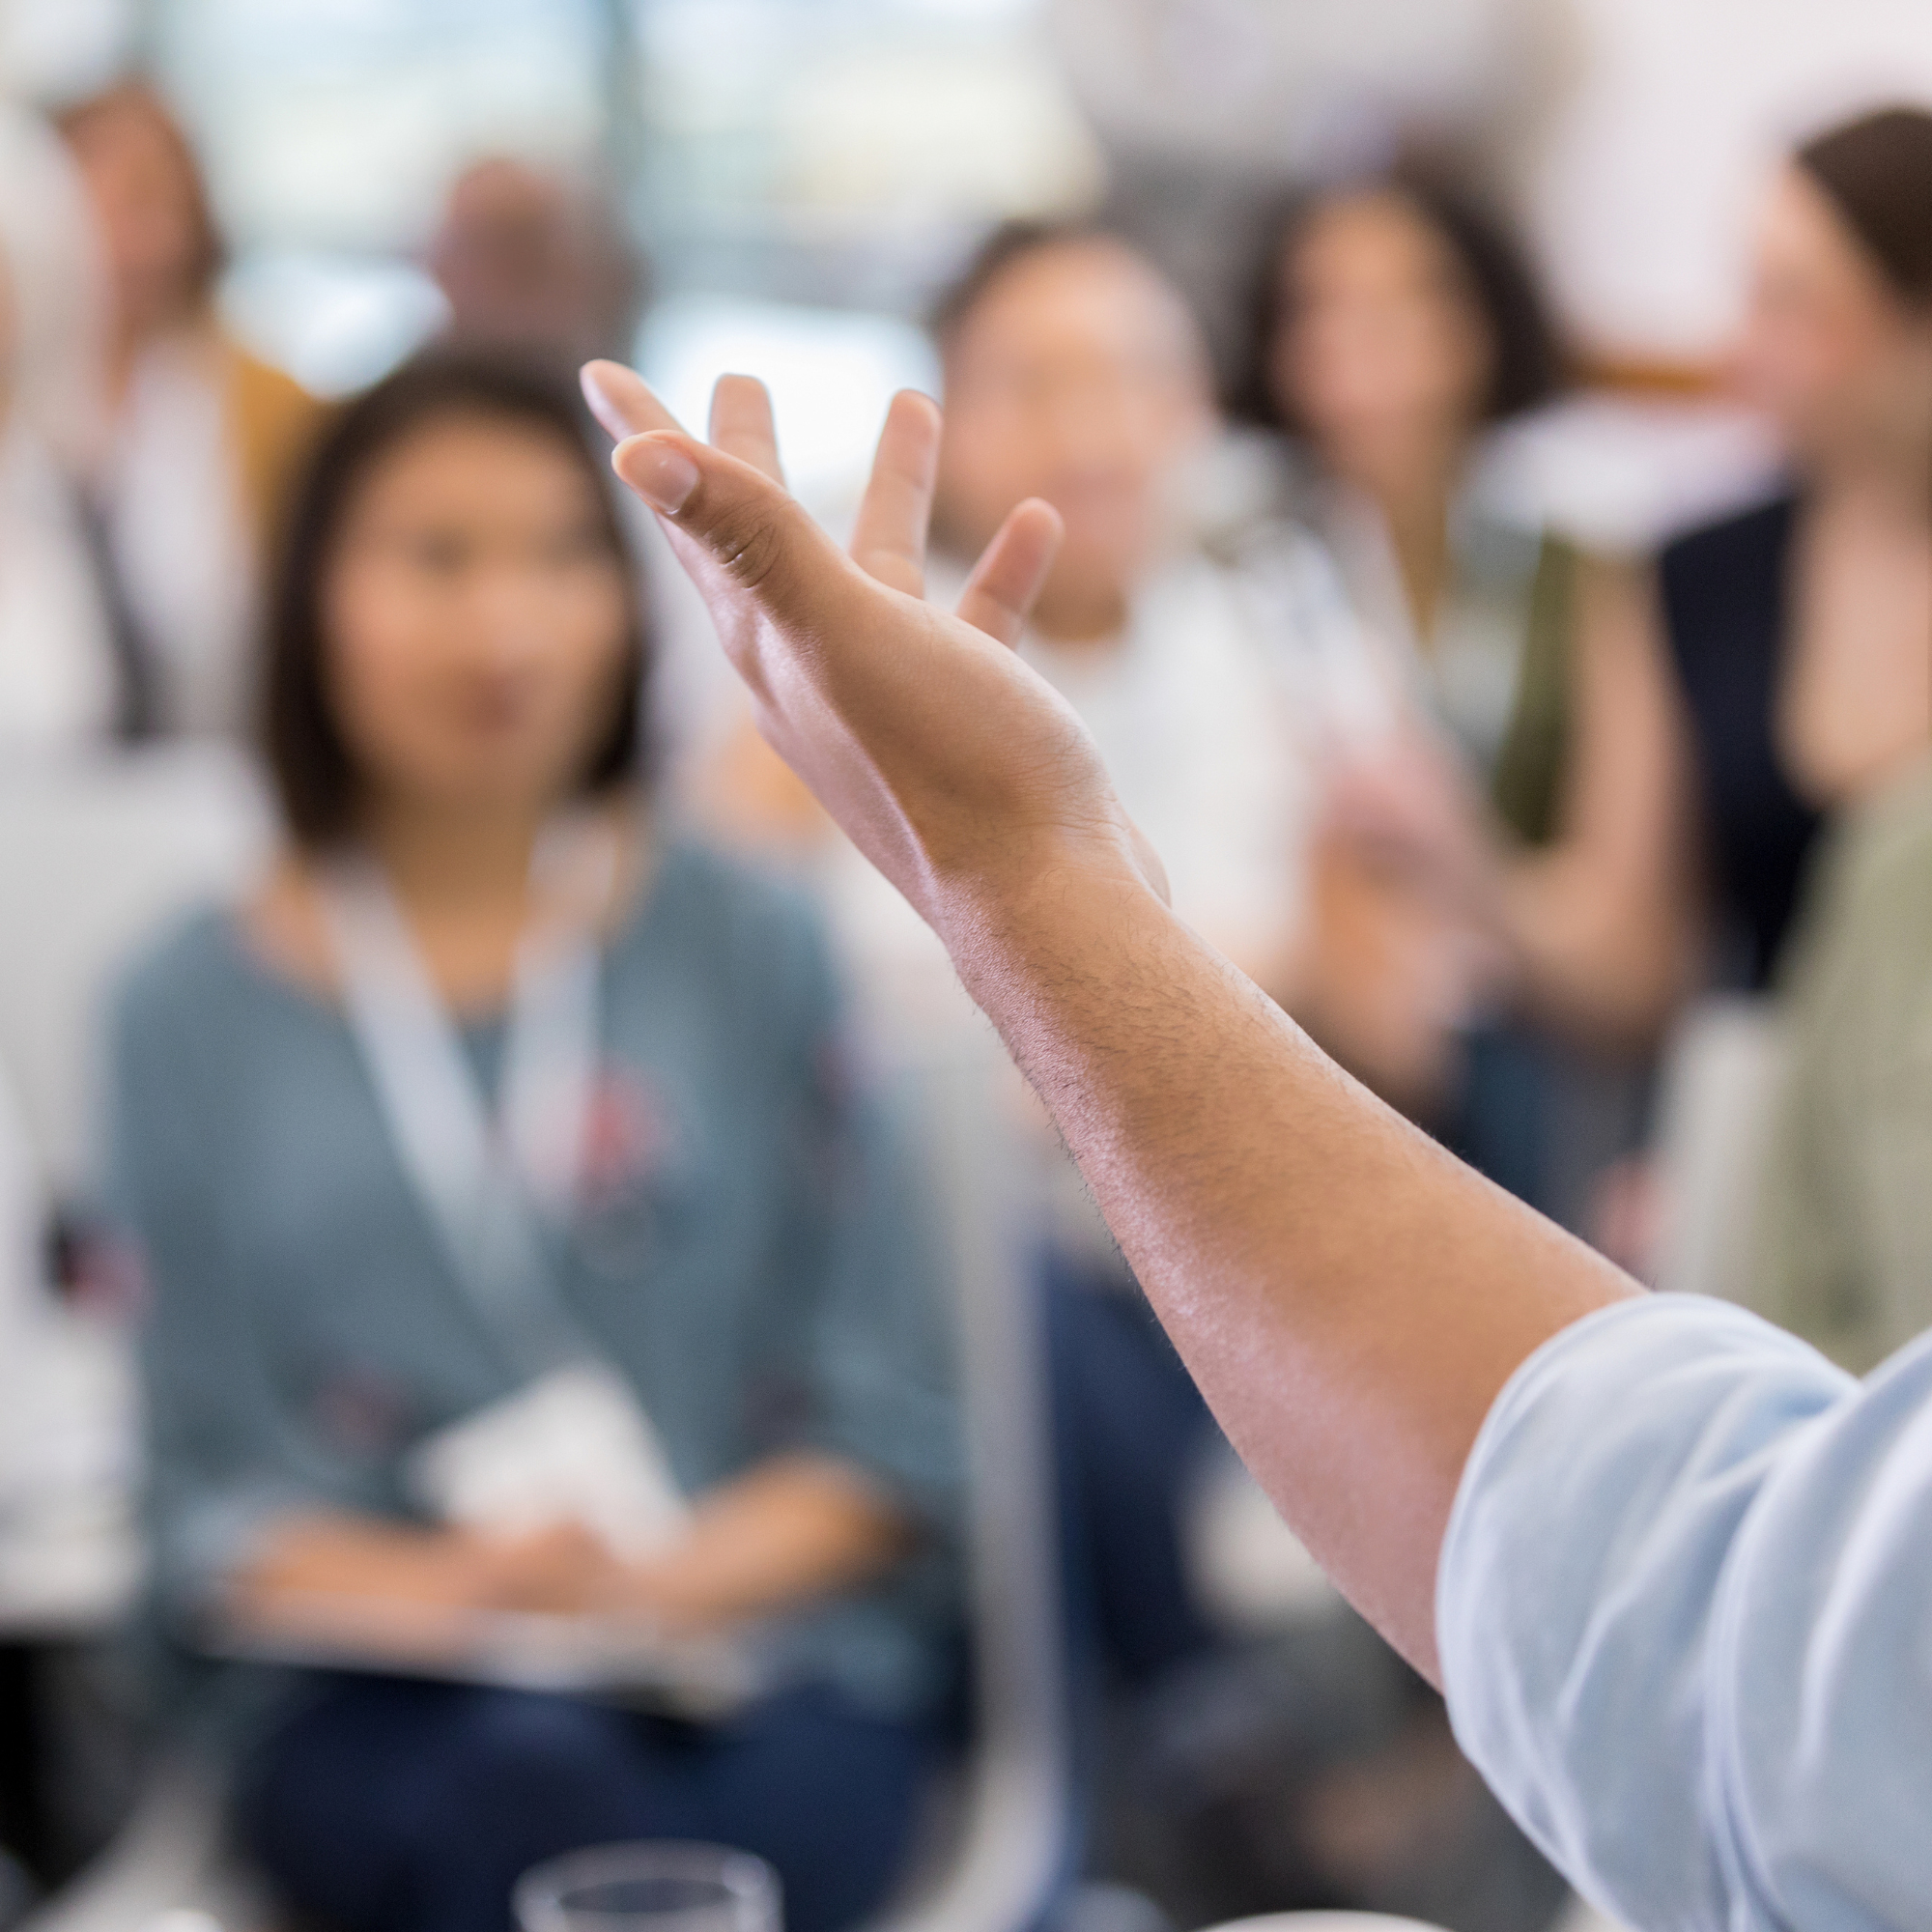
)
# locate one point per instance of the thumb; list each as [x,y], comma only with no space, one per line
[742,536]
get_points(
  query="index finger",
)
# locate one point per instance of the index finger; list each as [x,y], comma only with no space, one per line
[622,401]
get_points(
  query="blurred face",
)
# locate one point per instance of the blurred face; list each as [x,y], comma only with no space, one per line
[1381,349]
[475,620]
[1827,352]
[524,264]
[148,208]
[1077,377]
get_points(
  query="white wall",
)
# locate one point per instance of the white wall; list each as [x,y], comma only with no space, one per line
[1643,203]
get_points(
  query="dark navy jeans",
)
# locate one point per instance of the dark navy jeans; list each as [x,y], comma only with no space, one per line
[389,1805]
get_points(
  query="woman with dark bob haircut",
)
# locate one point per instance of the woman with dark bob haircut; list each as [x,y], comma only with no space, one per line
[519,1259]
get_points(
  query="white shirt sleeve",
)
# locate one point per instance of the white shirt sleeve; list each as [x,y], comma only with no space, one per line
[1685,1617]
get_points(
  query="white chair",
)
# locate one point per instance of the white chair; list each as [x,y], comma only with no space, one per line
[1720,1078]
[1011,1839]
[94,853]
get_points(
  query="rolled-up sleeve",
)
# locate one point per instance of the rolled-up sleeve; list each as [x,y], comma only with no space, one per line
[1685,1617]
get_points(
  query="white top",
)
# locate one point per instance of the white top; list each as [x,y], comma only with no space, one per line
[182,537]
[1216,713]
[1685,1616]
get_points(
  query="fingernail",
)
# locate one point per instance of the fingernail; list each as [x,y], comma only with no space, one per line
[659,472]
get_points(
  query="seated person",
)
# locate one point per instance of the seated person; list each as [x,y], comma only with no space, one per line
[496,1087]
[1397,327]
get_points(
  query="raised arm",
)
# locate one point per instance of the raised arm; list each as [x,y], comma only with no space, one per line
[1350,1299]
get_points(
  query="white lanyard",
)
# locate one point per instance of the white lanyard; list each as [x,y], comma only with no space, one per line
[483,1181]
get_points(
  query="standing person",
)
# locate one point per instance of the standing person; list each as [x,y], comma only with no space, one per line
[495,1082]
[1672,1565]
[202,434]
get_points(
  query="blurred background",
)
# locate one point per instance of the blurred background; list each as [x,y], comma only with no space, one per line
[1496,442]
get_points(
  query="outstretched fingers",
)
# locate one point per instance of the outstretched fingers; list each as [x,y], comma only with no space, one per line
[888,536]
[999,596]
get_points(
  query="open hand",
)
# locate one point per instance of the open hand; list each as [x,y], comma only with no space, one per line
[956,768]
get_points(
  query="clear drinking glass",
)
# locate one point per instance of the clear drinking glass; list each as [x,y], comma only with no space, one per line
[646,1888]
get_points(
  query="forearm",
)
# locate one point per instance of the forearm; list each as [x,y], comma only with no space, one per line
[793,1530]
[329,1554]
[1350,1298]
[356,1585]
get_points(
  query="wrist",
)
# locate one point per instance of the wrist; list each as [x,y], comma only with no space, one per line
[1041,889]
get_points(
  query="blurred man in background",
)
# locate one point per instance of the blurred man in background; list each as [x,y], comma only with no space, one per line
[536,261]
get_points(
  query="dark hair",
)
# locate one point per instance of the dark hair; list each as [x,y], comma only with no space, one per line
[1011,242]
[1527,361]
[314,774]
[1877,171]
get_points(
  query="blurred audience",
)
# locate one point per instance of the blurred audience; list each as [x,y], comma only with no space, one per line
[1798,631]
[1073,371]
[1777,670]
[1772,670]
[502,1138]
[201,434]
